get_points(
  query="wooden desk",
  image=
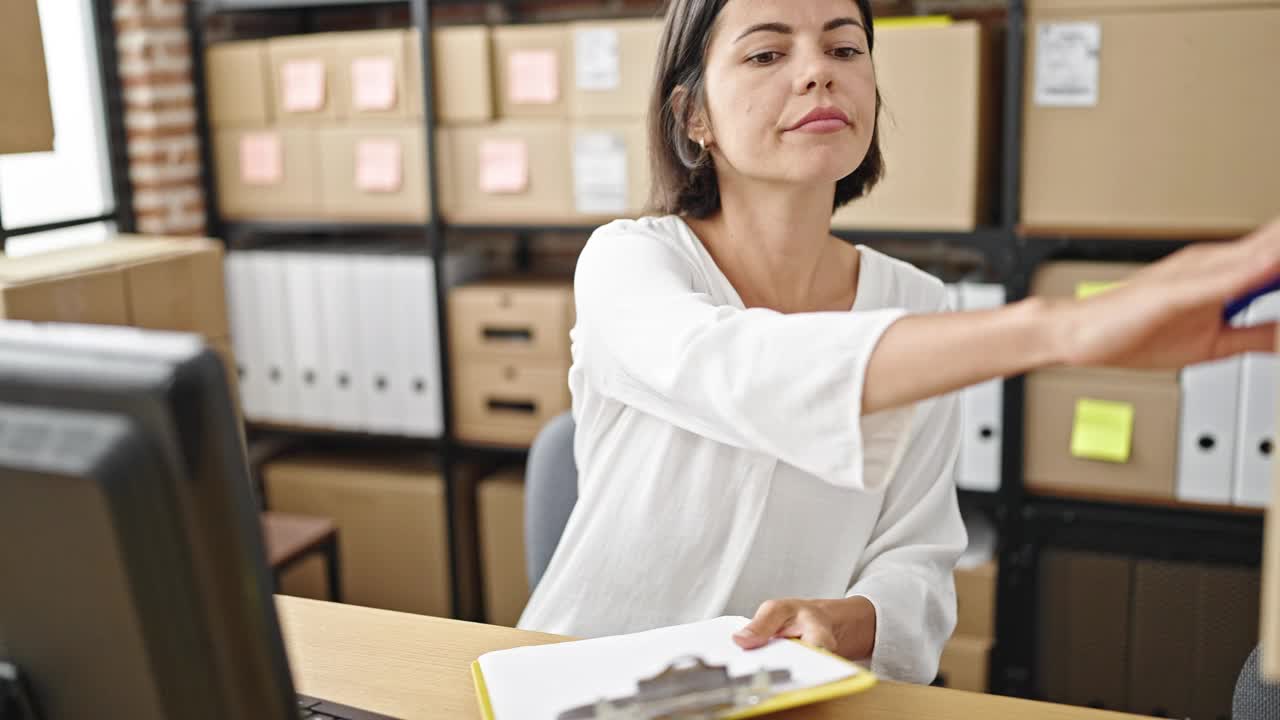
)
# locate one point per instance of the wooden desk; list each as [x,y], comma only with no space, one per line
[417,667]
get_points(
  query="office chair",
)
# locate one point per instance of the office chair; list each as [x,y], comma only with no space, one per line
[551,490]
[1255,699]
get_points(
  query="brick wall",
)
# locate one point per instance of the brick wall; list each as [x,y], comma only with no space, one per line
[160,116]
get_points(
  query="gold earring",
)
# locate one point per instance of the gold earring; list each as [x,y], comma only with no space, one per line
[702,143]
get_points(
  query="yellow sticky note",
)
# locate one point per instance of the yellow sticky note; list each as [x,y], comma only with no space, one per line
[1103,430]
[1089,289]
[913,21]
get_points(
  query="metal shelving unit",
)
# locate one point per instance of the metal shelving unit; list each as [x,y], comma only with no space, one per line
[1026,524]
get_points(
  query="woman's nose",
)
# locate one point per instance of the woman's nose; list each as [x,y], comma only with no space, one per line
[815,74]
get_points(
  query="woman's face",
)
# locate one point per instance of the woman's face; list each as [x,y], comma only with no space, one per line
[790,90]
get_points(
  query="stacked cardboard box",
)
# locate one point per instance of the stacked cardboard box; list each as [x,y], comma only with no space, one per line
[939,82]
[966,659]
[1150,637]
[561,138]
[500,504]
[392,528]
[1122,136]
[327,125]
[1099,431]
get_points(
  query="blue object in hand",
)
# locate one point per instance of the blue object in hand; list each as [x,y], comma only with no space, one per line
[1237,306]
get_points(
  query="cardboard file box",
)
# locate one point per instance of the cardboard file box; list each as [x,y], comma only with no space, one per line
[610,162]
[372,78]
[267,173]
[1111,434]
[156,283]
[531,70]
[392,526]
[940,89]
[520,320]
[505,173]
[976,600]
[966,663]
[237,76]
[374,173]
[462,60]
[26,117]
[1083,279]
[306,86]
[1122,136]
[1085,600]
[501,517]
[506,403]
[613,65]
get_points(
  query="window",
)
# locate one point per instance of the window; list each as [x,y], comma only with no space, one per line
[61,198]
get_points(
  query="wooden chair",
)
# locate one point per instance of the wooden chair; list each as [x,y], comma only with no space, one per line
[291,538]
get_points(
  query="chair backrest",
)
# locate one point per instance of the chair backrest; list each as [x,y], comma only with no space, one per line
[550,492]
[1255,699]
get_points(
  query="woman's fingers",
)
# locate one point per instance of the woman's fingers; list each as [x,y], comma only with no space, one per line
[1256,338]
[770,619]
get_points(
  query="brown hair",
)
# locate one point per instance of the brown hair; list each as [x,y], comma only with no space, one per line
[683,176]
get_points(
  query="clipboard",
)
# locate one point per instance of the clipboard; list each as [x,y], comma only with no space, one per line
[635,693]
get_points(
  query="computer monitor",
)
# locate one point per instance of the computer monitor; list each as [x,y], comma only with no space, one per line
[132,576]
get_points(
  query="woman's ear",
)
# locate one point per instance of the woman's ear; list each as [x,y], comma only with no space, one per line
[694,119]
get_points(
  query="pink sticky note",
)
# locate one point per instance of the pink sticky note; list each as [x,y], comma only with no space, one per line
[373,83]
[533,77]
[302,85]
[261,159]
[504,166]
[379,165]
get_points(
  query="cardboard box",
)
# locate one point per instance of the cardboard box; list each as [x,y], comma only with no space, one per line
[1056,419]
[372,79]
[1193,628]
[966,663]
[613,66]
[267,173]
[1226,632]
[506,403]
[374,173]
[181,288]
[149,282]
[306,86]
[1270,619]
[531,70]
[937,130]
[1084,638]
[506,581]
[1129,138]
[26,117]
[610,163]
[1162,663]
[238,82]
[392,525]
[1078,279]
[505,173]
[520,320]
[462,59]
[53,290]
[976,600]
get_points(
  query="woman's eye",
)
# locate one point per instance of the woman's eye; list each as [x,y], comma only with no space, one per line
[764,58]
[846,53]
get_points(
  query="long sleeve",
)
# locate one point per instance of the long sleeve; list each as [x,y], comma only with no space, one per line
[906,569]
[650,336]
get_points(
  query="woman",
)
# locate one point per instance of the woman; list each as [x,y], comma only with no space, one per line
[764,419]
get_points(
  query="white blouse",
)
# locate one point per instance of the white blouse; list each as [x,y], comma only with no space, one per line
[723,460]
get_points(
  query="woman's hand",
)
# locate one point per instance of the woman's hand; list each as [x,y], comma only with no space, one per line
[846,626]
[1169,314]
